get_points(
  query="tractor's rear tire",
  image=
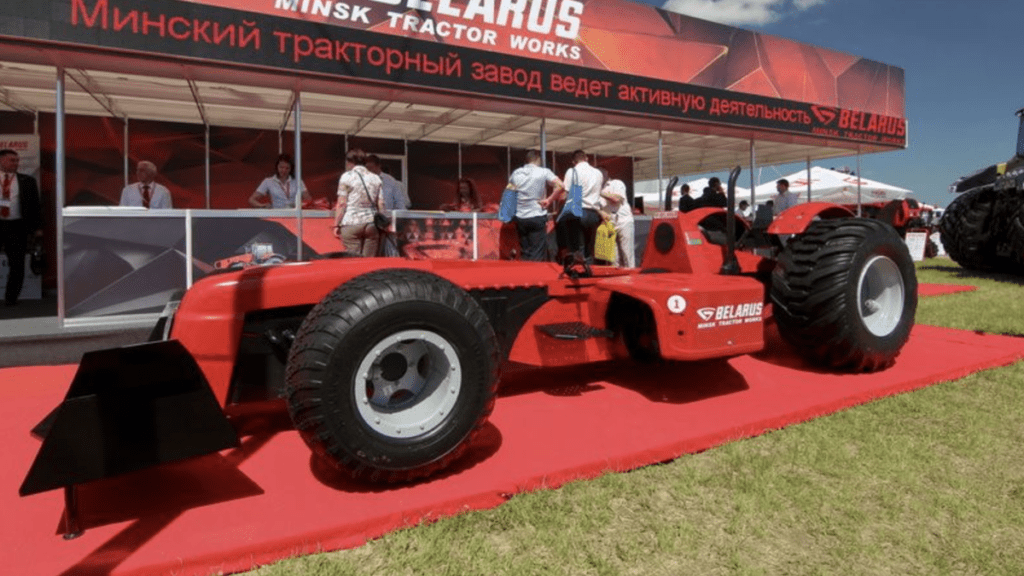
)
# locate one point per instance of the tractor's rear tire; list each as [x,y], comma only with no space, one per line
[635,322]
[392,375]
[966,232]
[844,294]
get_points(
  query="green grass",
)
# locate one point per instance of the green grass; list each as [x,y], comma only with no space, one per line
[930,482]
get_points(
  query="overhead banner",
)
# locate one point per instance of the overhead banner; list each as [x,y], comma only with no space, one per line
[603,54]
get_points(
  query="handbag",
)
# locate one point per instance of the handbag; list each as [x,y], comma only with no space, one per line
[380,220]
[574,199]
[509,202]
[604,243]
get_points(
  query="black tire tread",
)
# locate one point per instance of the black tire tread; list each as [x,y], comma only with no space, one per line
[323,330]
[965,230]
[809,293]
[1016,237]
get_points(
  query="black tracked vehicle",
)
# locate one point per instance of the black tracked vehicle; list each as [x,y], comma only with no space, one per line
[983,228]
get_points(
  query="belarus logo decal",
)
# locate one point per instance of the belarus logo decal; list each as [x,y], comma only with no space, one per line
[824,115]
[730,314]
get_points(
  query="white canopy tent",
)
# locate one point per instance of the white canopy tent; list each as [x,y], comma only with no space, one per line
[832,186]
[652,197]
[697,189]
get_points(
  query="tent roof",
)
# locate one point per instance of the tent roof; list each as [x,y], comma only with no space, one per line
[833,186]
[105,84]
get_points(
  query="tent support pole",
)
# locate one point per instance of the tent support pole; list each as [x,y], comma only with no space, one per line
[661,159]
[544,144]
[59,169]
[207,170]
[858,182]
[808,178]
[298,170]
[127,168]
[753,166]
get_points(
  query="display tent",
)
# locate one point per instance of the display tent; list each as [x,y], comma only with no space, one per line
[832,186]
[705,98]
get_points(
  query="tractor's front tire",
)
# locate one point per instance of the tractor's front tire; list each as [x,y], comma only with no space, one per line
[844,294]
[392,374]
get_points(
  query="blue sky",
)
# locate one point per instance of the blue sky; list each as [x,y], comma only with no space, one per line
[964,74]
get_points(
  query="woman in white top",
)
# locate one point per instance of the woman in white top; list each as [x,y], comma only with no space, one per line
[359,196]
[616,205]
[279,191]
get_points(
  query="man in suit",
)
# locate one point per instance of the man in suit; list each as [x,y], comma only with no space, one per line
[686,202]
[714,195]
[20,218]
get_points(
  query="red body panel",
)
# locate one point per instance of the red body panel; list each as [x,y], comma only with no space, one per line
[796,219]
[211,316]
[588,306]
[691,252]
[699,316]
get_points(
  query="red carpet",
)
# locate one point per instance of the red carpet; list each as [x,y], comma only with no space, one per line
[268,500]
[942,289]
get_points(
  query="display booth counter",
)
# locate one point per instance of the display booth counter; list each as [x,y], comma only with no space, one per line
[123,265]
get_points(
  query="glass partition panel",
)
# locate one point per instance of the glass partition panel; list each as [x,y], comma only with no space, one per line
[122,261]
[641,230]
[232,239]
[318,234]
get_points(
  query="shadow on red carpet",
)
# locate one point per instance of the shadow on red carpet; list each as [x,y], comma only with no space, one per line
[269,499]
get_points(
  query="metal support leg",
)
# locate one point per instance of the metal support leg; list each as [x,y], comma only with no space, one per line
[72,529]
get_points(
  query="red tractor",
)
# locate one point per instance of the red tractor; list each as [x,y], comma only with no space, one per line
[907,215]
[389,367]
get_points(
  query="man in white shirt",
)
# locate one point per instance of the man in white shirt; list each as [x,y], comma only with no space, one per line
[395,196]
[785,198]
[146,193]
[531,219]
[576,233]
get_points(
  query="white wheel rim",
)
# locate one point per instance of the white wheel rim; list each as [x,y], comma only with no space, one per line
[880,295]
[408,383]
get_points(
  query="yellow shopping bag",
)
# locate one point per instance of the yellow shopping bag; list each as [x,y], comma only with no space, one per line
[604,245]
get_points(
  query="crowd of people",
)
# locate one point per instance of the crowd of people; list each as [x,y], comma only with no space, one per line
[367,196]
[714,196]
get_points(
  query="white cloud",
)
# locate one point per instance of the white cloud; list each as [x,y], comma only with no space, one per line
[805,4]
[739,12]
